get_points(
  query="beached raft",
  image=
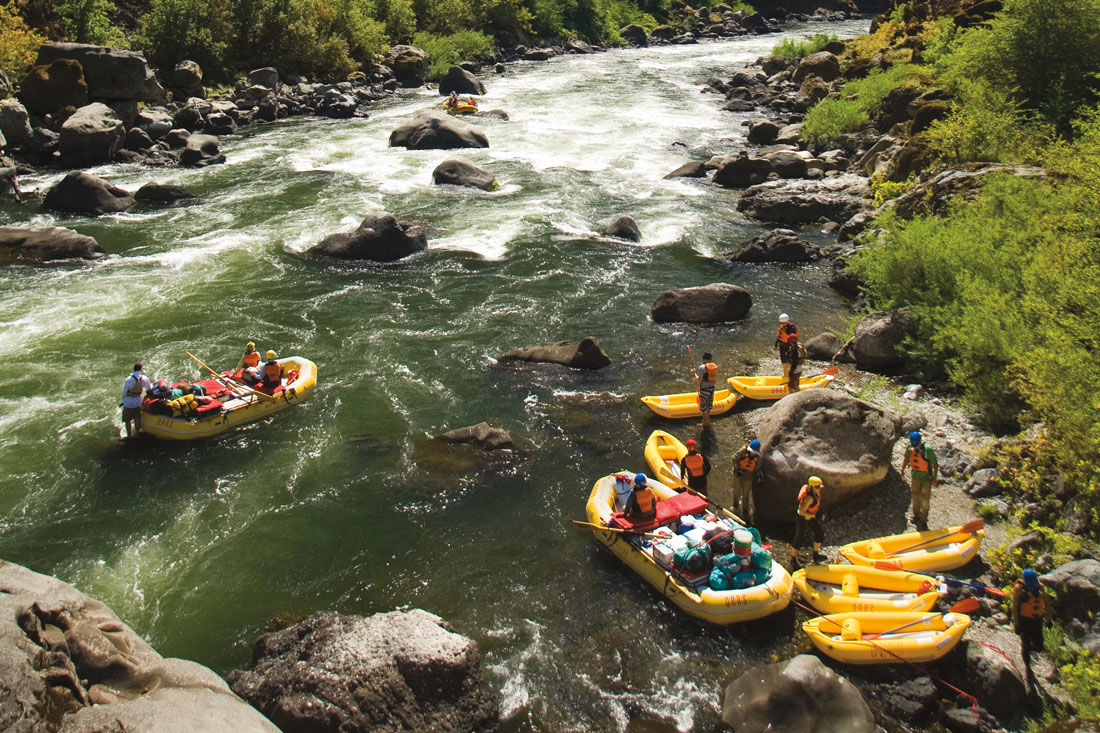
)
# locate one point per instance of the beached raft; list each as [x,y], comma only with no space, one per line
[772,387]
[886,638]
[686,404]
[930,551]
[852,588]
[235,406]
[692,595]
[663,452]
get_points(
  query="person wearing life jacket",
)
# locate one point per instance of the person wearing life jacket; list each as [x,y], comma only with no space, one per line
[694,468]
[793,365]
[705,375]
[744,471]
[251,357]
[271,374]
[1028,607]
[132,390]
[642,504]
[924,471]
[782,342]
[452,100]
[808,519]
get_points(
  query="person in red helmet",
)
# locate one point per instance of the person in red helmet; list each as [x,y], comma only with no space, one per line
[694,468]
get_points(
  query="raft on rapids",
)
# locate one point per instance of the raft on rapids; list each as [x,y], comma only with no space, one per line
[852,588]
[229,403]
[652,557]
[930,551]
[886,638]
[686,404]
[775,386]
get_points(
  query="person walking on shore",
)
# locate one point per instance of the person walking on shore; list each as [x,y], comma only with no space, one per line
[744,471]
[705,375]
[1028,606]
[782,342]
[793,365]
[808,520]
[132,390]
[924,471]
[694,468]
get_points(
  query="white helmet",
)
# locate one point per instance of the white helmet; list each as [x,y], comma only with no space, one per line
[784,318]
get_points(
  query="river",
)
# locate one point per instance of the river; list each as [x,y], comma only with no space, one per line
[344,503]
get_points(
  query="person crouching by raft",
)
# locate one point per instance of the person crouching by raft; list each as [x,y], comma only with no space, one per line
[1028,606]
[924,470]
[132,389]
[271,374]
[782,342]
[808,521]
[694,468]
[705,375]
[744,471]
[642,504]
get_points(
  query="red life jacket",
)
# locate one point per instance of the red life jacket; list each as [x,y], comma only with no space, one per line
[694,463]
[815,494]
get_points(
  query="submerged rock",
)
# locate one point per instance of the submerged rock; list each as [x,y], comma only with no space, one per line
[483,434]
[586,354]
[778,245]
[623,227]
[162,193]
[714,303]
[46,244]
[461,172]
[380,237]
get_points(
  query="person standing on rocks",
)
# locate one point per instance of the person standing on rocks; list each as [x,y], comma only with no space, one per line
[1028,606]
[694,468]
[782,342]
[808,520]
[132,389]
[793,365]
[924,470]
[705,375]
[744,471]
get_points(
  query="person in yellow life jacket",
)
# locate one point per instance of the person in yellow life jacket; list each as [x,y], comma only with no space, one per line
[642,504]
[251,357]
[924,471]
[1028,607]
[808,519]
[694,468]
[705,375]
[271,375]
[782,342]
[744,471]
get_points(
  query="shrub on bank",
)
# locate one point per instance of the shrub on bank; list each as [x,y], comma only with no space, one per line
[858,101]
[445,51]
[18,42]
[797,48]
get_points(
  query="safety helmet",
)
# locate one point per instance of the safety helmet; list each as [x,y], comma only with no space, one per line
[270,354]
[814,481]
[914,437]
[250,345]
[691,443]
[1031,578]
[784,318]
[754,444]
[639,479]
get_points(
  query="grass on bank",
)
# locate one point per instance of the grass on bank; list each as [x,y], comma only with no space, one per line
[858,101]
[445,51]
[797,48]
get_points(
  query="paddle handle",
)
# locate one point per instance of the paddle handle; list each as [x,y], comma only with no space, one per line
[226,382]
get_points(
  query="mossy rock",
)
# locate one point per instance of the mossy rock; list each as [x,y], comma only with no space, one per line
[46,89]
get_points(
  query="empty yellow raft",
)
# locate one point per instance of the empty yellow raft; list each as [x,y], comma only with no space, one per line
[663,453]
[886,638]
[243,407]
[930,551]
[716,607]
[856,588]
[685,404]
[775,386]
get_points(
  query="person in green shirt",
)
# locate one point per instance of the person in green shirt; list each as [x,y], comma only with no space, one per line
[924,471]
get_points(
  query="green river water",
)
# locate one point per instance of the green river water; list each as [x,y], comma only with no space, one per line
[344,503]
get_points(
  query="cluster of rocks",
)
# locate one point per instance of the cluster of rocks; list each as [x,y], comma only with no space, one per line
[690,25]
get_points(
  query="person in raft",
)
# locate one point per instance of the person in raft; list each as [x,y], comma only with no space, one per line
[793,366]
[924,470]
[250,359]
[705,375]
[694,468]
[1028,606]
[642,504]
[271,374]
[808,520]
[782,342]
[744,470]
[132,389]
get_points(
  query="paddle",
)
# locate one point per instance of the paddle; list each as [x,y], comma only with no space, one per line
[224,381]
[973,584]
[966,605]
[833,370]
[579,523]
[970,527]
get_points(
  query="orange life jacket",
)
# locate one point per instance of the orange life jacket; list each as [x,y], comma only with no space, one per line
[748,463]
[815,494]
[273,372]
[646,501]
[917,461]
[251,359]
[1031,603]
[782,335]
[712,372]
[694,463]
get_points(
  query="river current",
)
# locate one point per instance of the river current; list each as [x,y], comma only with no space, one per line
[344,503]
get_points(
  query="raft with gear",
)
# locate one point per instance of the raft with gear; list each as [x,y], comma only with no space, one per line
[460,108]
[663,452]
[929,551]
[686,404]
[856,588]
[671,553]
[227,403]
[886,637]
[773,387]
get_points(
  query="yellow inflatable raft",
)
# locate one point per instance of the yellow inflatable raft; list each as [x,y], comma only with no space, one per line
[462,108]
[886,638]
[663,453]
[930,551]
[638,553]
[682,405]
[240,406]
[774,387]
[848,588]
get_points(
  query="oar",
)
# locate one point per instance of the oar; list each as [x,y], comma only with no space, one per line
[834,370]
[224,381]
[579,523]
[966,605]
[715,504]
[973,584]
[970,527]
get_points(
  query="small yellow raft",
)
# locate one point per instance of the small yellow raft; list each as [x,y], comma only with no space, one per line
[775,386]
[685,404]
[462,108]
[930,551]
[886,638]
[663,453]
[238,409]
[716,607]
[849,588]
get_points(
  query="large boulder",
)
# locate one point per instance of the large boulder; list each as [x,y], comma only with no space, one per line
[483,435]
[91,135]
[778,245]
[46,244]
[55,86]
[380,238]
[878,338]
[437,131]
[187,81]
[800,695]
[460,81]
[624,227]
[162,193]
[1077,588]
[762,132]
[81,193]
[585,354]
[633,34]
[824,346]
[409,65]
[69,663]
[994,680]
[404,670]
[15,123]
[823,65]
[200,151]
[795,201]
[266,77]
[461,172]
[826,433]
[112,74]
[714,303]
[741,170]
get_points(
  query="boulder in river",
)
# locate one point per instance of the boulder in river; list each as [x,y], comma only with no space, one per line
[46,244]
[51,87]
[409,64]
[826,433]
[585,354]
[461,172]
[763,132]
[81,193]
[483,435]
[186,81]
[634,35]
[71,664]
[624,227]
[693,169]
[714,303]
[162,193]
[15,123]
[878,338]
[91,135]
[201,150]
[741,170]
[778,245]
[112,74]
[438,131]
[460,81]
[380,237]
[798,201]
[403,670]
[800,695]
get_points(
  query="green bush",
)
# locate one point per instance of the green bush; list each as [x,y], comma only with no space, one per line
[987,124]
[797,48]
[18,43]
[88,21]
[859,100]
[399,18]
[445,51]
[174,30]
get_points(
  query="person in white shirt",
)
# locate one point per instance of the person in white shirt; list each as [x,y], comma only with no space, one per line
[132,389]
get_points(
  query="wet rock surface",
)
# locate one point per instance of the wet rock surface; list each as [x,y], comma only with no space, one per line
[714,303]
[46,244]
[585,354]
[380,237]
